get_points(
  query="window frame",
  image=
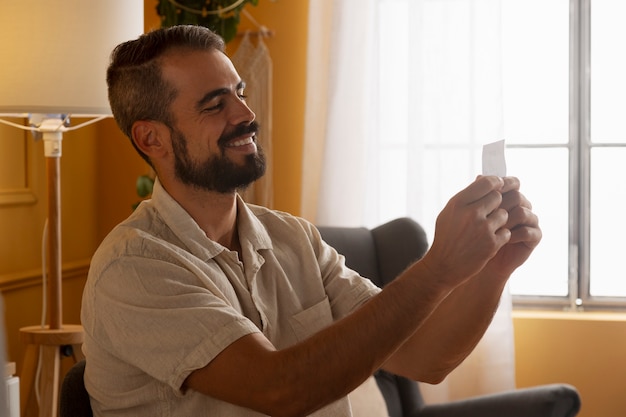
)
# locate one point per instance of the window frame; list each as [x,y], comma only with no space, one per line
[579,146]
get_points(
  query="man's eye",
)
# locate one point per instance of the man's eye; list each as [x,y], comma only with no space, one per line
[214,107]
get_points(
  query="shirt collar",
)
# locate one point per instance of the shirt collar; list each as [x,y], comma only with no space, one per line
[252,232]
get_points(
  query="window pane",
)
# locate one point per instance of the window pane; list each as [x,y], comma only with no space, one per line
[546,271]
[608,66]
[535,49]
[608,199]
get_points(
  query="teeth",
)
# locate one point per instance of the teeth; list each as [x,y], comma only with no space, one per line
[241,142]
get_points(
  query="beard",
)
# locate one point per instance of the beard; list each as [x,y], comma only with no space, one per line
[218,173]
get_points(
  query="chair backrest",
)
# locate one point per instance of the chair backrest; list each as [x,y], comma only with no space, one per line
[74,399]
[380,255]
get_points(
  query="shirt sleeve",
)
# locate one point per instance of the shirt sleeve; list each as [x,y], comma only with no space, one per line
[157,316]
[347,289]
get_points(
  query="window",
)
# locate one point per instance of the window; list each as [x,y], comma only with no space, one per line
[565,136]
[540,136]
[550,78]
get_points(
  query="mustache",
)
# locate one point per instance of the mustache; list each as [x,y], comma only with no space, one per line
[239,130]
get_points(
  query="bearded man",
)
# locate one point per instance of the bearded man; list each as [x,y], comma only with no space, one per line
[202,305]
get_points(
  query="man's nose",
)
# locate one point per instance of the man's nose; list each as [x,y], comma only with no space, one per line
[242,113]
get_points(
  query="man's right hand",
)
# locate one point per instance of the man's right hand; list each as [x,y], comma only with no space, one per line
[469,231]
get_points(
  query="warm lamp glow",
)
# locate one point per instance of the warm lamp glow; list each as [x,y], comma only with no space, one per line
[55,53]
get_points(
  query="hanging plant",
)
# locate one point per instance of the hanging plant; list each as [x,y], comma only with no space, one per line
[221,16]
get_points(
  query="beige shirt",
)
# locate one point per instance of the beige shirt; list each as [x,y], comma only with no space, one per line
[163,300]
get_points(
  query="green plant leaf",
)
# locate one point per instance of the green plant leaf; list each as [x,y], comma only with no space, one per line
[224,25]
[144,185]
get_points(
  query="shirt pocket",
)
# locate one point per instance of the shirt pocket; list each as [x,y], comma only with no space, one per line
[311,320]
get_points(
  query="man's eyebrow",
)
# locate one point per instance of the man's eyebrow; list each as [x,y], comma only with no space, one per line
[216,93]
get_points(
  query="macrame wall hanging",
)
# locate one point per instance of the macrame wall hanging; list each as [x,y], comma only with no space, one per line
[254,64]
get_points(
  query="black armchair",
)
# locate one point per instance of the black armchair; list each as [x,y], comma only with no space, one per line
[74,399]
[381,254]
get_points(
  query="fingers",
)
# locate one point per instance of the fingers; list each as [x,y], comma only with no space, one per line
[524,226]
[506,183]
[502,184]
[489,193]
[469,231]
[521,215]
[482,200]
[492,191]
[499,220]
[522,222]
[519,209]
[489,218]
[510,184]
[482,186]
[495,224]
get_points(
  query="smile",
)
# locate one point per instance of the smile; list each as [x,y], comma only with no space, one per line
[241,142]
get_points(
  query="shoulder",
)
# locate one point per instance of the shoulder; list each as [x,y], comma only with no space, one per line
[282,225]
[144,234]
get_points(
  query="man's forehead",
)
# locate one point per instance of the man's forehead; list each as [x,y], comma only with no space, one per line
[180,57]
[206,66]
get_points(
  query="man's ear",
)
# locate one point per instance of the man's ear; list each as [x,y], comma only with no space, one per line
[148,135]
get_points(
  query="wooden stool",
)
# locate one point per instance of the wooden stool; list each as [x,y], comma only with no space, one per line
[49,342]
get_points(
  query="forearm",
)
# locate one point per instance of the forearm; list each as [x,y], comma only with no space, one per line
[329,364]
[359,344]
[451,332]
[460,321]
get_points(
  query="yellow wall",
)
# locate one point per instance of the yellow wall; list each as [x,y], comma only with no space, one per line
[99,170]
[587,350]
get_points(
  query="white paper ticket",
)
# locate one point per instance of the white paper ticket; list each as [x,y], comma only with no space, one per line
[493,159]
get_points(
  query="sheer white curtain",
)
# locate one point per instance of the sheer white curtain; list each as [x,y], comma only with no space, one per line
[401,96]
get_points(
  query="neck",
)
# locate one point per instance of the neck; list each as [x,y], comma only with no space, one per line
[215,213]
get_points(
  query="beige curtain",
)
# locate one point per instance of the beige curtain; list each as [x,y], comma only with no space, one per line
[341,171]
[315,117]
[254,65]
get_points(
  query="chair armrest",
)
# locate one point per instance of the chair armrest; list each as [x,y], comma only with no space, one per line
[557,400]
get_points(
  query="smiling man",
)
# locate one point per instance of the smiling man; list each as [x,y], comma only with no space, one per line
[202,305]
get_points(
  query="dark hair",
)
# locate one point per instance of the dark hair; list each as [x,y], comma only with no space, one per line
[135,86]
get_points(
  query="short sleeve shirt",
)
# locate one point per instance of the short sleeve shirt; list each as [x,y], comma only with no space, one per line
[163,300]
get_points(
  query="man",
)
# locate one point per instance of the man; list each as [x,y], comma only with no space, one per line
[199,304]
